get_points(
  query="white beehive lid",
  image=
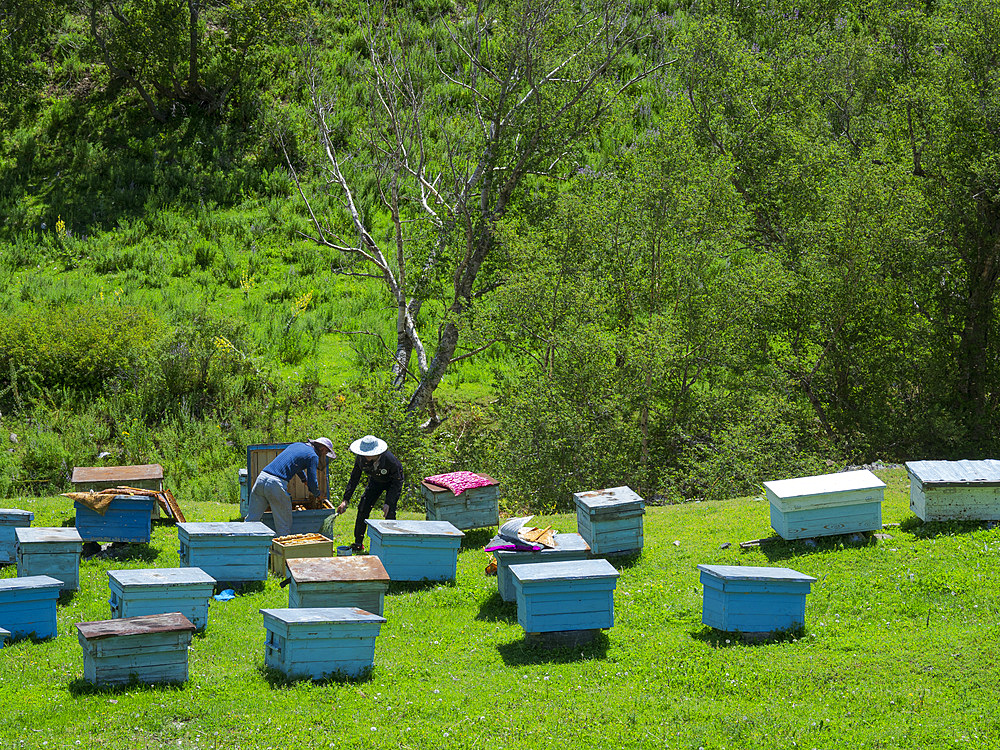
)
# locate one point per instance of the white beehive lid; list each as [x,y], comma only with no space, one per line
[825,490]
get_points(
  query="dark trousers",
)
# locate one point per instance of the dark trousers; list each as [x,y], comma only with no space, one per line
[368,501]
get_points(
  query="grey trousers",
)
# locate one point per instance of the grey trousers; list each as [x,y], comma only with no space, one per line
[270,491]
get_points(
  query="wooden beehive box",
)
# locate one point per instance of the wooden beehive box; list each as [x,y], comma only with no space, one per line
[231,552]
[4,637]
[565,596]
[610,520]
[303,521]
[28,606]
[10,519]
[753,600]
[143,476]
[158,591]
[148,649]
[827,504]
[474,508]
[568,547]
[358,581]
[127,518]
[416,550]
[285,549]
[320,642]
[955,490]
[50,551]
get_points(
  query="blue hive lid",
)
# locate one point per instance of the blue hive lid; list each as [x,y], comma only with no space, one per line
[321,614]
[567,570]
[160,576]
[13,514]
[234,528]
[750,573]
[415,528]
[29,582]
[39,534]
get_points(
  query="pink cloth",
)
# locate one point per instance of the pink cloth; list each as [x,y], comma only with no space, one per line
[459,481]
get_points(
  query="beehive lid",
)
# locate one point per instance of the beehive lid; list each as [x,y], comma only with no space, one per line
[568,570]
[13,514]
[350,568]
[160,576]
[143,625]
[40,534]
[956,473]
[438,488]
[612,499]
[415,528]
[750,573]
[321,614]
[222,528]
[824,484]
[29,582]
[564,543]
[122,474]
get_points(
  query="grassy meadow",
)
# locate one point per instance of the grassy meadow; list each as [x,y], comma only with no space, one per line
[898,651]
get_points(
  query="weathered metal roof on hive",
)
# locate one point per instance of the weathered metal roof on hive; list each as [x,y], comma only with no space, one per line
[956,473]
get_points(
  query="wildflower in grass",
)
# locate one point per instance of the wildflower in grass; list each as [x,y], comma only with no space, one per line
[60,227]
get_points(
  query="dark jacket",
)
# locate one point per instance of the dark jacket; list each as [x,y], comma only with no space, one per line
[385,473]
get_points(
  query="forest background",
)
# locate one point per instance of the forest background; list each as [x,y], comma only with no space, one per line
[684,246]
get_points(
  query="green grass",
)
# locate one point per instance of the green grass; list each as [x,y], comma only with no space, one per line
[899,651]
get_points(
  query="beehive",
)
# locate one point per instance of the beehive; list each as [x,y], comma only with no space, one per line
[50,551]
[474,508]
[148,649]
[10,519]
[841,503]
[565,596]
[303,521]
[359,581]
[568,547]
[142,476]
[28,606]
[157,591]
[416,550]
[610,520]
[4,637]
[231,552]
[955,490]
[317,643]
[296,546]
[127,518]
[753,600]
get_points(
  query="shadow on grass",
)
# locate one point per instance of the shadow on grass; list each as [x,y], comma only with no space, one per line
[476,538]
[495,609]
[80,686]
[536,651]
[775,548]
[728,639]
[930,529]
[623,560]
[65,597]
[280,681]
[130,552]
[240,587]
[408,587]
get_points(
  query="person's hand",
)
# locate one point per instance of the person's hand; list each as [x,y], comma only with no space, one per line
[385,509]
[342,508]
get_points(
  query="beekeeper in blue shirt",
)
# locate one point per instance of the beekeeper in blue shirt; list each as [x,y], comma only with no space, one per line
[270,489]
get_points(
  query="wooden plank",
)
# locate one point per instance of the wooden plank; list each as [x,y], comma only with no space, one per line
[123,474]
[352,568]
[146,624]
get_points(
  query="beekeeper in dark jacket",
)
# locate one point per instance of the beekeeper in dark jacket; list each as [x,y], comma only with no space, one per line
[385,475]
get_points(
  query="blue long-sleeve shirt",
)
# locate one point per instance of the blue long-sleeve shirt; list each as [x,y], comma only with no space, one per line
[297,460]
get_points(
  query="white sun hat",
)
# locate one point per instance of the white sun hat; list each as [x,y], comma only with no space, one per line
[369,445]
[325,444]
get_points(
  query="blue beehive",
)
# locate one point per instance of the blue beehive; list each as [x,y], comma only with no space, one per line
[148,649]
[127,518]
[568,547]
[319,642]
[10,519]
[231,552]
[565,596]
[474,508]
[4,636]
[28,606]
[416,550]
[610,520]
[753,600]
[50,551]
[158,591]
[827,504]
[356,581]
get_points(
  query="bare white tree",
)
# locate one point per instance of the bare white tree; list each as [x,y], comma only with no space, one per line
[458,120]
